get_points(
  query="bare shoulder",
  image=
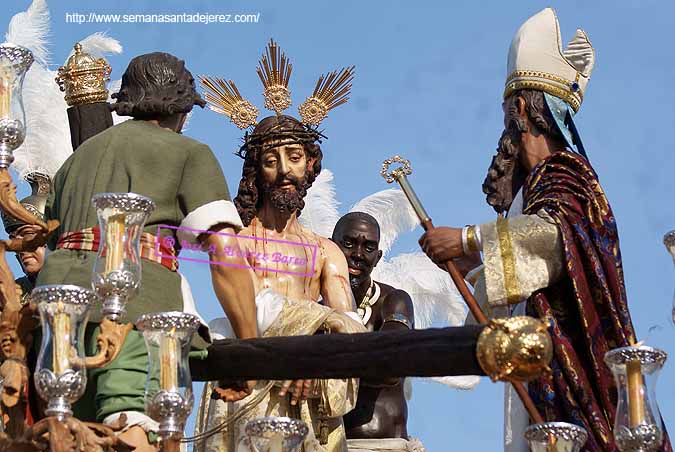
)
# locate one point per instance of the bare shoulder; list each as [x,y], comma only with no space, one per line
[395,301]
[332,253]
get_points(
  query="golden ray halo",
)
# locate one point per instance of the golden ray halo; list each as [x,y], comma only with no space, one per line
[222,96]
[274,70]
[332,90]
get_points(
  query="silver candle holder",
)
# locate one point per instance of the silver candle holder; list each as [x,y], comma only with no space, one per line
[168,389]
[14,63]
[117,271]
[638,425]
[275,434]
[60,373]
[556,437]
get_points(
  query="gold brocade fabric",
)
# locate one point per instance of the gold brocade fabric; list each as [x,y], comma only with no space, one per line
[521,255]
[338,396]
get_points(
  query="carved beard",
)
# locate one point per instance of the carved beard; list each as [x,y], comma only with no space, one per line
[505,175]
[286,200]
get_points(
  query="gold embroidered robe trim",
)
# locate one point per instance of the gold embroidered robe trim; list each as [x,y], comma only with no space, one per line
[521,255]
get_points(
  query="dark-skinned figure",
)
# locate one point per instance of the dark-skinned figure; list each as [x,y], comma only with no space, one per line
[555,253]
[379,420]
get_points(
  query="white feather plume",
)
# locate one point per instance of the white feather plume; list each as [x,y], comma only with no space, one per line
[30,29]
[99,45]
[465,382]
[392,211]
[436,300]
[320,213]
[47,144]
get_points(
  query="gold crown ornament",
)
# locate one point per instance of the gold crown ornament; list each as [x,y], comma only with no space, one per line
[274,70]
[538,61]
[83,78]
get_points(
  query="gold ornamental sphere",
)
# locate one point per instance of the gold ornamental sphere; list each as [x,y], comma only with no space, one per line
[515,349]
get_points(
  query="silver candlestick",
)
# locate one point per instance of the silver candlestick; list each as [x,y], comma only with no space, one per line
[638,425]
[167,337]
[60,376]
[117,272]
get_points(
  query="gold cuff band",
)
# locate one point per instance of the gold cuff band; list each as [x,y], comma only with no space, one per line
[471,241]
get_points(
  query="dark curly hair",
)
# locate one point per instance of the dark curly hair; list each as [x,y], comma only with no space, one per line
[505,175]
[156,85]
[248,199]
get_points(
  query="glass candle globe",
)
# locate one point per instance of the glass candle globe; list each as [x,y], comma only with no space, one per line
[168,389]
[556,437]
[275,434]
[14,63]
[638,425]
[60,376]
[117,271]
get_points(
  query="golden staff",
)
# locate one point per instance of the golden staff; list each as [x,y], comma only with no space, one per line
[400,175]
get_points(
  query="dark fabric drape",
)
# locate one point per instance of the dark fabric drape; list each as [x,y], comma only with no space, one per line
[588,307]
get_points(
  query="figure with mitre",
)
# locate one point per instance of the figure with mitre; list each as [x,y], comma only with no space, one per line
[553,253]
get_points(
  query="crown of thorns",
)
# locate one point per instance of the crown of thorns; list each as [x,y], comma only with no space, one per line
[274,71]
[264,141]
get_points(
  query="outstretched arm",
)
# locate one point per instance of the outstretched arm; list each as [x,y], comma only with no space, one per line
[232,284]
[335,289]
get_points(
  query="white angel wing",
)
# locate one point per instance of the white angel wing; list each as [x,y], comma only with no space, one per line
[436,300]
[30,29]
[392,211]
[320,213]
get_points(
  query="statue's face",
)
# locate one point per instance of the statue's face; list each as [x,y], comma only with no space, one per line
[359,241]
[283,163]
[283,173]
[31,261]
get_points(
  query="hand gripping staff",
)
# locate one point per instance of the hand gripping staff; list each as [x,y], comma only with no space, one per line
[400,175]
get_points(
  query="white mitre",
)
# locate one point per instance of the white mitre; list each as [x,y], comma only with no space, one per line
[538,61]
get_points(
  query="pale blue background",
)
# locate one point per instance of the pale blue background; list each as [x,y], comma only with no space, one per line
[429,83]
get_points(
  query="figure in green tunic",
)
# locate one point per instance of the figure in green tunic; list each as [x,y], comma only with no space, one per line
[146,155]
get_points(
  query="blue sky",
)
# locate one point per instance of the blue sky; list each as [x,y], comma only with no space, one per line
[429,82]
